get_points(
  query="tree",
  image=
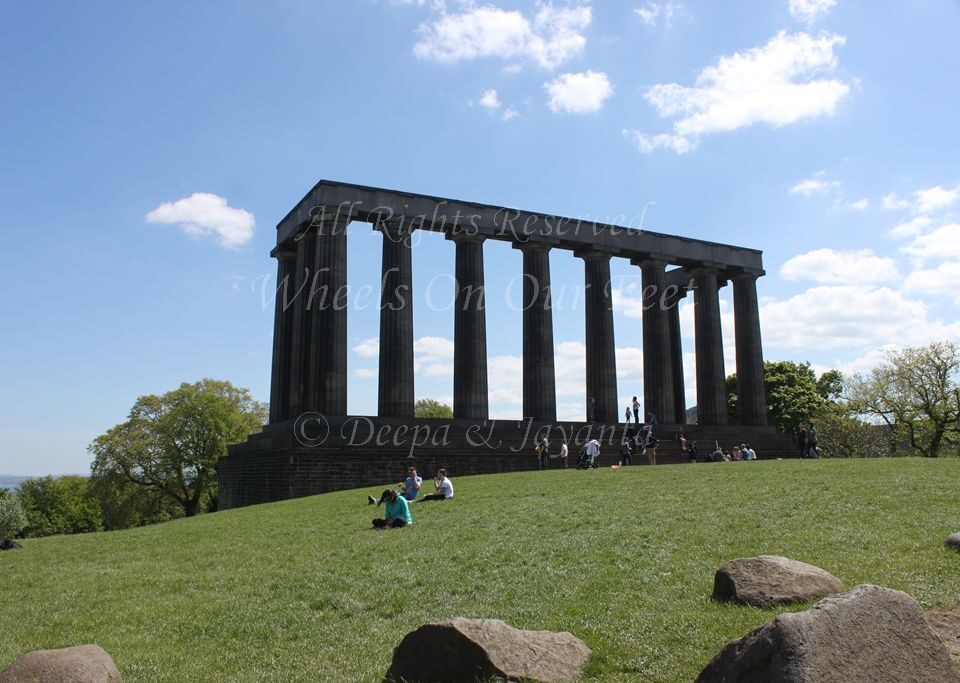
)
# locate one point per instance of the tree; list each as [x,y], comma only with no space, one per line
[428,407]
[125,504]
[12,517]
[794,393]
[916,393]
[170,444]
[62,505]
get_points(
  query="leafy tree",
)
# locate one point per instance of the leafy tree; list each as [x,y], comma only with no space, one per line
[794,393]
[842,435]
[170,444]
[61,505]
[916,393]
[12,517]
[428,407]
[125,504]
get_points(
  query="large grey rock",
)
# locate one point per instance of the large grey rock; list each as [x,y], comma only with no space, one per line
[953,541]
[771,580]
[471,650]
[80,664]
[865,635]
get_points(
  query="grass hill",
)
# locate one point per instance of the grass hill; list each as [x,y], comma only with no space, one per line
[303,590]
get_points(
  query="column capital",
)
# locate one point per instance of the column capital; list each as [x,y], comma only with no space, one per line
[706,268]
[644,260]
[464,236]
[284,252]
[530,245]
[594,254]
[745,274]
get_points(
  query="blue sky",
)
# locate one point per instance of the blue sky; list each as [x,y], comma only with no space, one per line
[148,151]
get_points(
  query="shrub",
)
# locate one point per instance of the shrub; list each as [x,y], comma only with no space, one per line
[12,517]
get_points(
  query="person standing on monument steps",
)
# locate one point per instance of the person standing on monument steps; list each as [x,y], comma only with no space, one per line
[636,411]
[591,408]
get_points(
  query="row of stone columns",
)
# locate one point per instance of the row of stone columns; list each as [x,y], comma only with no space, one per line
[310,334]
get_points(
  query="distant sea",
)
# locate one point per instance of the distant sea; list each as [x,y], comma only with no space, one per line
[8,481]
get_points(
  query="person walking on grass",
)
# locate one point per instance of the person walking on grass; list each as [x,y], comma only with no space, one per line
[625,453]
[650,449]
[564,452]
[443,486]
[396,512]
[802,441]
[814,452]
[543,454]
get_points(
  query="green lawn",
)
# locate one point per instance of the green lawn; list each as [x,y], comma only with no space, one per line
[304,591]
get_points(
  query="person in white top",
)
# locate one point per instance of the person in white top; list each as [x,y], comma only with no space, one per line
[564,452]
[443,485]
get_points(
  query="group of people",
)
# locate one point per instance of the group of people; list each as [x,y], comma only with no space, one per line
[397,501]
[543,455]
[807,440]
[739,452]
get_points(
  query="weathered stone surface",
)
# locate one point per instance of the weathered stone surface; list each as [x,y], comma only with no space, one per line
[471,650]
[947,626]
[865,635]
[771,580]
[953,541]
[80,664]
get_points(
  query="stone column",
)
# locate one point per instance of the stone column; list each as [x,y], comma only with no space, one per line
[470,400]
[539,375]
[657,362]
[599,335]
[751,394]
[301,326]
[711,389]
[282,329]
[676,357]
[328,303]
[396,397]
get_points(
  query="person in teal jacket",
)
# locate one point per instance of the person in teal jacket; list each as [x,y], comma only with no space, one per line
[396,511]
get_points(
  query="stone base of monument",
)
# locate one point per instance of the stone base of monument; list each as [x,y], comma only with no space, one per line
[321,454]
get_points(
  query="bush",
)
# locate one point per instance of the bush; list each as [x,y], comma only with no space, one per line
[12,517]
[63,505]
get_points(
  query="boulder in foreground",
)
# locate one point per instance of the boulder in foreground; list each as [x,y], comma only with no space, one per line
[865,635]
[772,580]
[80,664]
[953,541]
[468,650]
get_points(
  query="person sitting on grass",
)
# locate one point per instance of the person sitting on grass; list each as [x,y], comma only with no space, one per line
[411,485]
[443,486]
[396,512]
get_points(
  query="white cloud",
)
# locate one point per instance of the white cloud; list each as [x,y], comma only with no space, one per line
[935,198]
[489,99]
[365,373]
[808,11]
[551,38]
[894,202]
[578,93]
[509,113]
[944,279]
[942,243]
[910,228]
[368,348]
[815,185]
[203,214]
[652,11]
[774,84]
[648,143]
[828,266]
[849,317]
[859,205]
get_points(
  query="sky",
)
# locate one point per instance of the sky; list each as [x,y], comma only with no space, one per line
[148,150]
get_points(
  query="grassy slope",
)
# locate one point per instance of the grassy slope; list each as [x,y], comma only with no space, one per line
[302,590]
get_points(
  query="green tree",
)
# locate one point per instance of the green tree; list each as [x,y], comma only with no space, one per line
[170,444]
[916,393]
[794,393]
[428,407]
[125,504]
[61,505]
[12,517]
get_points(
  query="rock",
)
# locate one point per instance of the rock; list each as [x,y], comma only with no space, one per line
[471,650]
[770,580]
[865,635]
[80,664]
[7,544]
[953,541]
[947,626]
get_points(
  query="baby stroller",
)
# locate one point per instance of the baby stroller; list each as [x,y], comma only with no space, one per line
[585,461]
